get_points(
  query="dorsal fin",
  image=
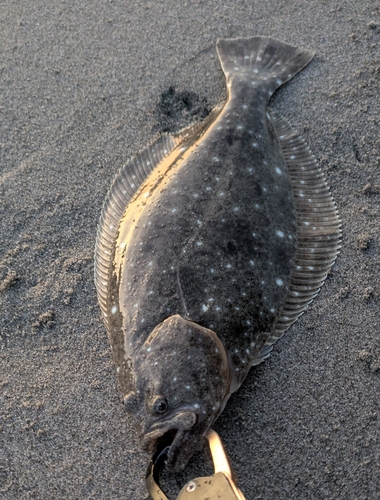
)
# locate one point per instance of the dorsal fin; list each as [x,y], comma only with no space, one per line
[318,226]
[124,186]
[126,183]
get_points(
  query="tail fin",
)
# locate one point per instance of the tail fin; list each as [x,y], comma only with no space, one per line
[261,59]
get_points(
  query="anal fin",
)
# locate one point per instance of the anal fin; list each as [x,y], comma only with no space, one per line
[318,226]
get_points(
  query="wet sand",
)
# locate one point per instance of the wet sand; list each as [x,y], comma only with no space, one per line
[85,85]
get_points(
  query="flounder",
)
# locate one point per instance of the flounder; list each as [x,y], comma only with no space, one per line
[211,243]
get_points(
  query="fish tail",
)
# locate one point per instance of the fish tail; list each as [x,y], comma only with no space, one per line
[262,60]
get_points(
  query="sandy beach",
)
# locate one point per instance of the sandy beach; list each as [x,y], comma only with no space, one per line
[86,85]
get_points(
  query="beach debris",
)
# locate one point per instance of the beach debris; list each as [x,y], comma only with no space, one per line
[211,243]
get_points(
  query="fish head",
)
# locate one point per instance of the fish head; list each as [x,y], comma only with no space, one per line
[182,380]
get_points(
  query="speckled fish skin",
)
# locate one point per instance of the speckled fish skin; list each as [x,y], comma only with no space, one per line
[196,267]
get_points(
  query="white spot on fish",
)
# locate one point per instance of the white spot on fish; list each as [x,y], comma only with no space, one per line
[280,234]
[278,171]
[114,309]
[199,243]
[279,282]
[216,159]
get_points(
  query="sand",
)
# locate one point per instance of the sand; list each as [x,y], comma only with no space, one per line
[87,84]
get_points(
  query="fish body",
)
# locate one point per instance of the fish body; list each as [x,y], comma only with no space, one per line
[211,243]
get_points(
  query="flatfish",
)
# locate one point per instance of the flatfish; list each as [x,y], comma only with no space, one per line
[211,243]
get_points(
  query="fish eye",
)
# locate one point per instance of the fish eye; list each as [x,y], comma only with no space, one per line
[160,405]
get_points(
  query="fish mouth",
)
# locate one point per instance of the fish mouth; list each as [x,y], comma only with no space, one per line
[164,433]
